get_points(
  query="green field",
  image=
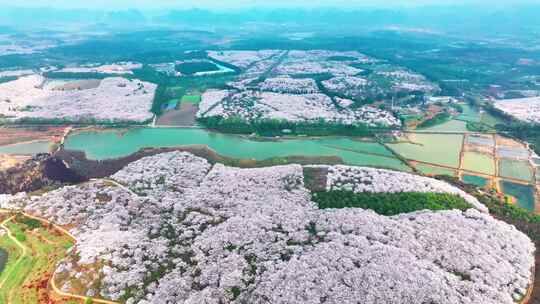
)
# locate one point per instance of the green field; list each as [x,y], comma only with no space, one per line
[433,170]
[478,162]
[515,169]
[32,258]
[196,99]
[439,149]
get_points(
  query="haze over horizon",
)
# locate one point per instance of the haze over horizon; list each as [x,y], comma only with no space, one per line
[236,4]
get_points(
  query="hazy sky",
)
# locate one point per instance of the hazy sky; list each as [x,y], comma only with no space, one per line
[221,4]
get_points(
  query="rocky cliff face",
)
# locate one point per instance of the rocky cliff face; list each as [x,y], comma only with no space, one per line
[42,170]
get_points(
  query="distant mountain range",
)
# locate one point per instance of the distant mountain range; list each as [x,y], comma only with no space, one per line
[453,19]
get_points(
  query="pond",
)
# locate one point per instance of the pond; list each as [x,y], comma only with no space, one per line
[33,147]
[483,140]
[512,152]
[112,144]
[3,259]
[523,193]
[475,180]
[515,169]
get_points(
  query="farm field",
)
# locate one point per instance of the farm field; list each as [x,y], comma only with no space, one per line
[358,146]
[182,117]
[485,141]
[515,169]
[512,152]
[478,162]
[439,149]
[433,170]
[26,148]
[14,135]
[32,258]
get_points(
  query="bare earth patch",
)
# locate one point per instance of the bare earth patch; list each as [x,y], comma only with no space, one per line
[184,117]
[10,136]
[9,161]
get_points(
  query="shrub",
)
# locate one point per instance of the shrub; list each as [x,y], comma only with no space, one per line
[20,236]
[30,223]
[435,120]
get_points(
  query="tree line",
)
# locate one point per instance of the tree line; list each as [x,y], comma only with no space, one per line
[389,203]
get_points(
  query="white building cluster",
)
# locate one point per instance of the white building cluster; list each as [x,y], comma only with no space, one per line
[524,109]
[195,233]
[114,100]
